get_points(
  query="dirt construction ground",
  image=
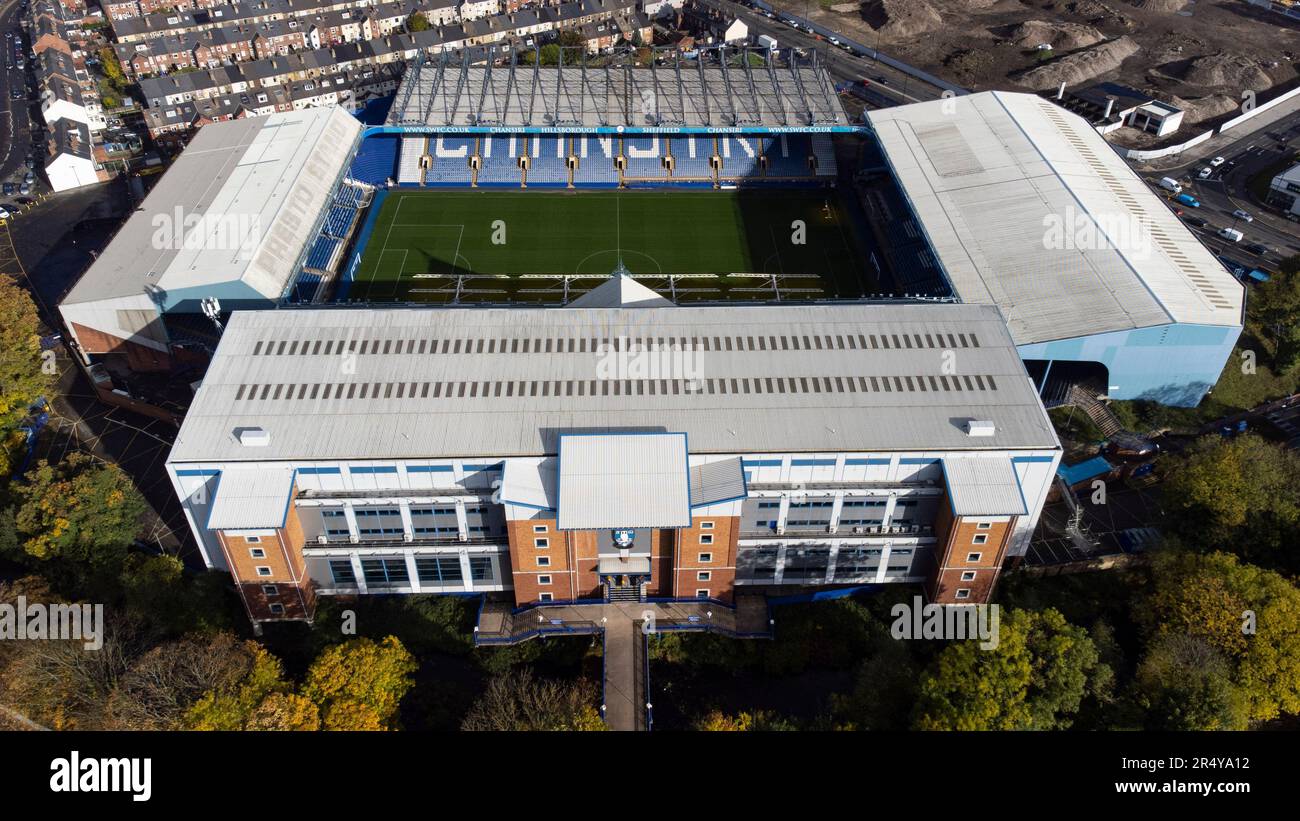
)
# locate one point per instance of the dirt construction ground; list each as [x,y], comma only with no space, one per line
[1199,54]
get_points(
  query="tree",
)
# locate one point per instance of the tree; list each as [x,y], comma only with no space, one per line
[285,711]
[518,701]
[1275,308]
[1240,494]
[79,509]
[112,68]
[235,705]
[161,685]
[1035,679]
[359,684]
[417,22]
[24,376]
[1184,683]
[758,721]
[1249,615]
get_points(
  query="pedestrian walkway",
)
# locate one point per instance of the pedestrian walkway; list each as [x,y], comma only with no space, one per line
[624,625]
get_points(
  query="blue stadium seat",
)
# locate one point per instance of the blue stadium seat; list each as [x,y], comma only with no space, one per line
[644,158]
[595,160]
[450,157]
[691,157]
[739,157]
[787,156]
[824,151]
[321,252]
[549,162]
[376,160]
[500,160]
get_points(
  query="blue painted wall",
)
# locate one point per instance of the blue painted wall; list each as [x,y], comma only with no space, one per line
[1172,364]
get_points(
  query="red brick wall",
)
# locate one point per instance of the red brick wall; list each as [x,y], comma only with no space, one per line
[722,564]
[956,541]
[283,556]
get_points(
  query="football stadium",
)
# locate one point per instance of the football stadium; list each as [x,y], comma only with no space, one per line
[734,175]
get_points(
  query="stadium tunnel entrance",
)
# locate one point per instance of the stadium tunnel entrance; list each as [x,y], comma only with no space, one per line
[1055,378]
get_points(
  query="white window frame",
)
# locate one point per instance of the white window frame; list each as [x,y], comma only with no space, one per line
[706,525]
[270,590]
[539,528]
[544,579]
[980,538]
[261,568]
[542,544]
[706,538]
[704,575]
[253,539]
[963,593]
[546,596]
[974,557]
[543,561]
[277,609]
[705,558]
[256,553]
[968,575]
[702,593]
[983,525]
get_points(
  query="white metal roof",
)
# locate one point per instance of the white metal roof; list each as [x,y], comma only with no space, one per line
[623,480]
[983,486]
[529,482]
[251,498]
[453,382]
[238,205]
[719,481]
[990,174]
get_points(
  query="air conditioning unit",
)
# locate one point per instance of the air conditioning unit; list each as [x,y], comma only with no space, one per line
[407,537]
[322,540]
[354,539]
[780,531]
[859,530]
[873,530]
[916,528]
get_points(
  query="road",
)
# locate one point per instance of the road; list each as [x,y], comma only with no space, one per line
[15,115]
[1227,190]
[840,64]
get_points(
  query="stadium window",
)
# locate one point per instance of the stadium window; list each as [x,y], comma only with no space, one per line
[256,553]
[706,525]
[968,575]
[263,571]
[705,558]
[974,557]
[252,539]
[270,590]
[543,579]
[543,561]
[541,543]
[963,593]
[277,609]
[703,575]
[706,538]
[984,525]
[980,538]
[545,596]
[702,593]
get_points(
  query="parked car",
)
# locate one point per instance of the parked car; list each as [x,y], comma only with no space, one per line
[24,189]
[9,188]
[1196,221]
[1205,173]
[1244,216]
[29,178]
[4,215]
[1188,200]
[1216,162]
[26,201]
[1256,248]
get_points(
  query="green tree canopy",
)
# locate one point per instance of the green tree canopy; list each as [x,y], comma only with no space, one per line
[1237,494]
[1249,615]
[1184,683]
[80,509]
[23,379]
[1035,679]
[417,22]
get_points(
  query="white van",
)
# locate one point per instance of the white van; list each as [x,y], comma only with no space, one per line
[1230,234]
[1171,184]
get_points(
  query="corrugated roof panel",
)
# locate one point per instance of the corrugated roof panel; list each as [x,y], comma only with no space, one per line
[983,486]
[251,498]
[625,480]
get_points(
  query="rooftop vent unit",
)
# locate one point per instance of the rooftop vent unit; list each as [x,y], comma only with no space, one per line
[254,437]
[976,427]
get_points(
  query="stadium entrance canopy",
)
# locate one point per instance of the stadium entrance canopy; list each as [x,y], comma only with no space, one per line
[721,89]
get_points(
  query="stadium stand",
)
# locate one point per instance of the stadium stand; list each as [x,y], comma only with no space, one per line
[409,171]
[739,157]
[824,153]
[691,157]
[595,161]
[787,156]
[549,162]
[643,158]
[376,160]
[499,160]
[322,253]
[305,287]
[450,164]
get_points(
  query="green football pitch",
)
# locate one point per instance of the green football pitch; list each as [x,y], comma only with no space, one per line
[498,246]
